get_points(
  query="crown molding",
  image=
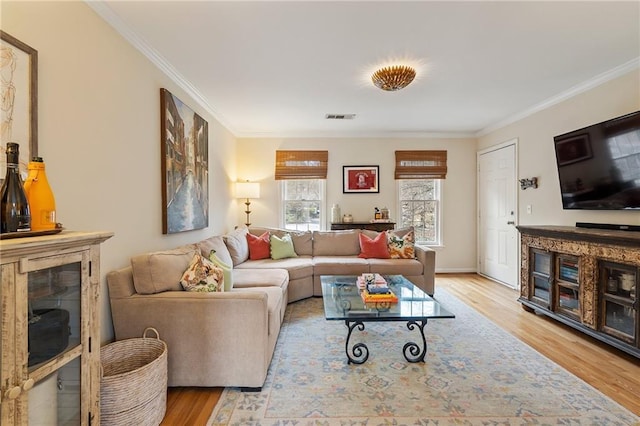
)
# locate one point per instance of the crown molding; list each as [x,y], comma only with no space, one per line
[567,94]
[112,18]
[356,135]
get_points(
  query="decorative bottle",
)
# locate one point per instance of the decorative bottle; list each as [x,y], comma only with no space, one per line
[40,197]
[15,214]
[335,214]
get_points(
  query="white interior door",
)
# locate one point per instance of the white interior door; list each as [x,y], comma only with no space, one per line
[498,236]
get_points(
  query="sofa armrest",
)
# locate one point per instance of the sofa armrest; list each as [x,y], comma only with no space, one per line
[427,256]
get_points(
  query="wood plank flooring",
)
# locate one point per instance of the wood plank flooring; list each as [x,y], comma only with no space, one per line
[611,371]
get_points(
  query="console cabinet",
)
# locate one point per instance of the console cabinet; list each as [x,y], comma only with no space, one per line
[585,278]
[371,226]
[49,311]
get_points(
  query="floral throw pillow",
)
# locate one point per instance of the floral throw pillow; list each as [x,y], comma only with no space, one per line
[202,275]
[401,247]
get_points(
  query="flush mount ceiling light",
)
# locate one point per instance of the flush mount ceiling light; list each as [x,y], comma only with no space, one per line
[394,77]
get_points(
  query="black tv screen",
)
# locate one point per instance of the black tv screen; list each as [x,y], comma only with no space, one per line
[599,165]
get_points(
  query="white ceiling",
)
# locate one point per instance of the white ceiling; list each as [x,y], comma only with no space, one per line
[274,69]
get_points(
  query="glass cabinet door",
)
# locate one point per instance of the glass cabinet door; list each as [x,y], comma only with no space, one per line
[541,277]
[55,315]
[619,316]
[568,287]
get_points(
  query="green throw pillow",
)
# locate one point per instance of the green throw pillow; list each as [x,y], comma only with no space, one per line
[226,270]
[282,248]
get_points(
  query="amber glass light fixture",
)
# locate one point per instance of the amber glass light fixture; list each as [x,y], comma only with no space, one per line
[394,77]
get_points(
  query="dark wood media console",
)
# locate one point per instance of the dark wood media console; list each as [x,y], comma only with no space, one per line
[585,278]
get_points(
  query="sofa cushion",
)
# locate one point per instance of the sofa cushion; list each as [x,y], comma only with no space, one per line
[259,246]
[215,243]
[237,245]
[401,243]
[275,306]
[227,269]
[202,275]
[406,267]
[376,248]
[339,265]
[282,248]
[336,243]
[298,267]
[302,240]
[161,271]
[247,277]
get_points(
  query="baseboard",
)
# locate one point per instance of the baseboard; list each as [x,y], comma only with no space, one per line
[456,271]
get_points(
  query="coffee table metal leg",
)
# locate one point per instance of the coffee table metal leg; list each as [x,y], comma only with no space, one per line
[411,350]
[360,351]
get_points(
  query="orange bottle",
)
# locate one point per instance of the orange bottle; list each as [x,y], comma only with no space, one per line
[40,197]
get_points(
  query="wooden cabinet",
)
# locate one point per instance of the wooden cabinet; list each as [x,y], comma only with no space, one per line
[50,328]
[585,278]
[372,226]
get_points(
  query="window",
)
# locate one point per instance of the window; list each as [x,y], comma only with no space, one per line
[302,204]
[419,206]
[419,175]
[302,188]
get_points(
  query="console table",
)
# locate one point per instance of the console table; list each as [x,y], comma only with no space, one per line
[585,278]
[372,226]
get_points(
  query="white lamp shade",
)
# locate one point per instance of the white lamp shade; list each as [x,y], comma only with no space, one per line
[247,190]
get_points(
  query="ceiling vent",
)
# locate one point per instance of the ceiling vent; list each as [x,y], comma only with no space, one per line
[340,116]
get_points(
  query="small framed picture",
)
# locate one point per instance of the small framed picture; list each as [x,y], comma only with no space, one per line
[360,179]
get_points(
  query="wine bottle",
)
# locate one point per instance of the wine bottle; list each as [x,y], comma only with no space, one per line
[40,197]
[15,212]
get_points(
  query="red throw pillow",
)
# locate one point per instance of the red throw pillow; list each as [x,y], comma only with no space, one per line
[376,248]
[259,247]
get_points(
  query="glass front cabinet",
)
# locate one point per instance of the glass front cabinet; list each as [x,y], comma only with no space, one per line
[50,353]
[585,278]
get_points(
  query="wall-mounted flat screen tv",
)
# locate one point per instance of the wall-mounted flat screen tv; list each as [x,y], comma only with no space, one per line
[599,165]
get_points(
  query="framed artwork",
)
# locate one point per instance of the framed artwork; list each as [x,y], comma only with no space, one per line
[573,149]
[185,166]
[360,179]
[19,110]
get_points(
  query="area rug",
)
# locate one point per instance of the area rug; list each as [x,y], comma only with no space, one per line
[474,374]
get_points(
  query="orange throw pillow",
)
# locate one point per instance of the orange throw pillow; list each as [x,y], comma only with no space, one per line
[259,247]
[376,248]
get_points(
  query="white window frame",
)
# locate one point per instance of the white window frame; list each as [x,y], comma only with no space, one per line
[438,212]
[323,203]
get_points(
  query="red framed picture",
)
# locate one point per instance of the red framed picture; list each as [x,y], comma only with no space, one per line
[360,179]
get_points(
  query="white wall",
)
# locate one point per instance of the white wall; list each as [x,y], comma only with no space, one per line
[99,133]
[537,156]
[256,159]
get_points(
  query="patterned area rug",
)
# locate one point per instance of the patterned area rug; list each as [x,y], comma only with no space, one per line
[474,374]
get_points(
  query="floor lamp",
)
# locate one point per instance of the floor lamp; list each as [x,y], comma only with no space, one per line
[247,190]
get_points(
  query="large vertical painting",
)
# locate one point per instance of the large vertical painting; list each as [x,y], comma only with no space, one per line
[18,100]
[185,166]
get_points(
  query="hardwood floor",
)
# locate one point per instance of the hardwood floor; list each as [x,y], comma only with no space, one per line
[611,371]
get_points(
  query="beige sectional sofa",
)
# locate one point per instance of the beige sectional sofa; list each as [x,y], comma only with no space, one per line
[228,338]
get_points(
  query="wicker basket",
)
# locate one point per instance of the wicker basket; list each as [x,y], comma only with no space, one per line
[133,387]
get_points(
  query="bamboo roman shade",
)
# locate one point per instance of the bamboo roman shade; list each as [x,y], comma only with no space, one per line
[421,164]
[301,164]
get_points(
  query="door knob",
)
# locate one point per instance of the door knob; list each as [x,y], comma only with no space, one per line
[511,222]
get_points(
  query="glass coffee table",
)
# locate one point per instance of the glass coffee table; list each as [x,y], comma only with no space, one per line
[342,302]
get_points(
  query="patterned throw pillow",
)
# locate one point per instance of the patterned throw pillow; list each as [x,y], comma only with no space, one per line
[282,248]
[401,247]
[227,270]
[258,246]
[203,276]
